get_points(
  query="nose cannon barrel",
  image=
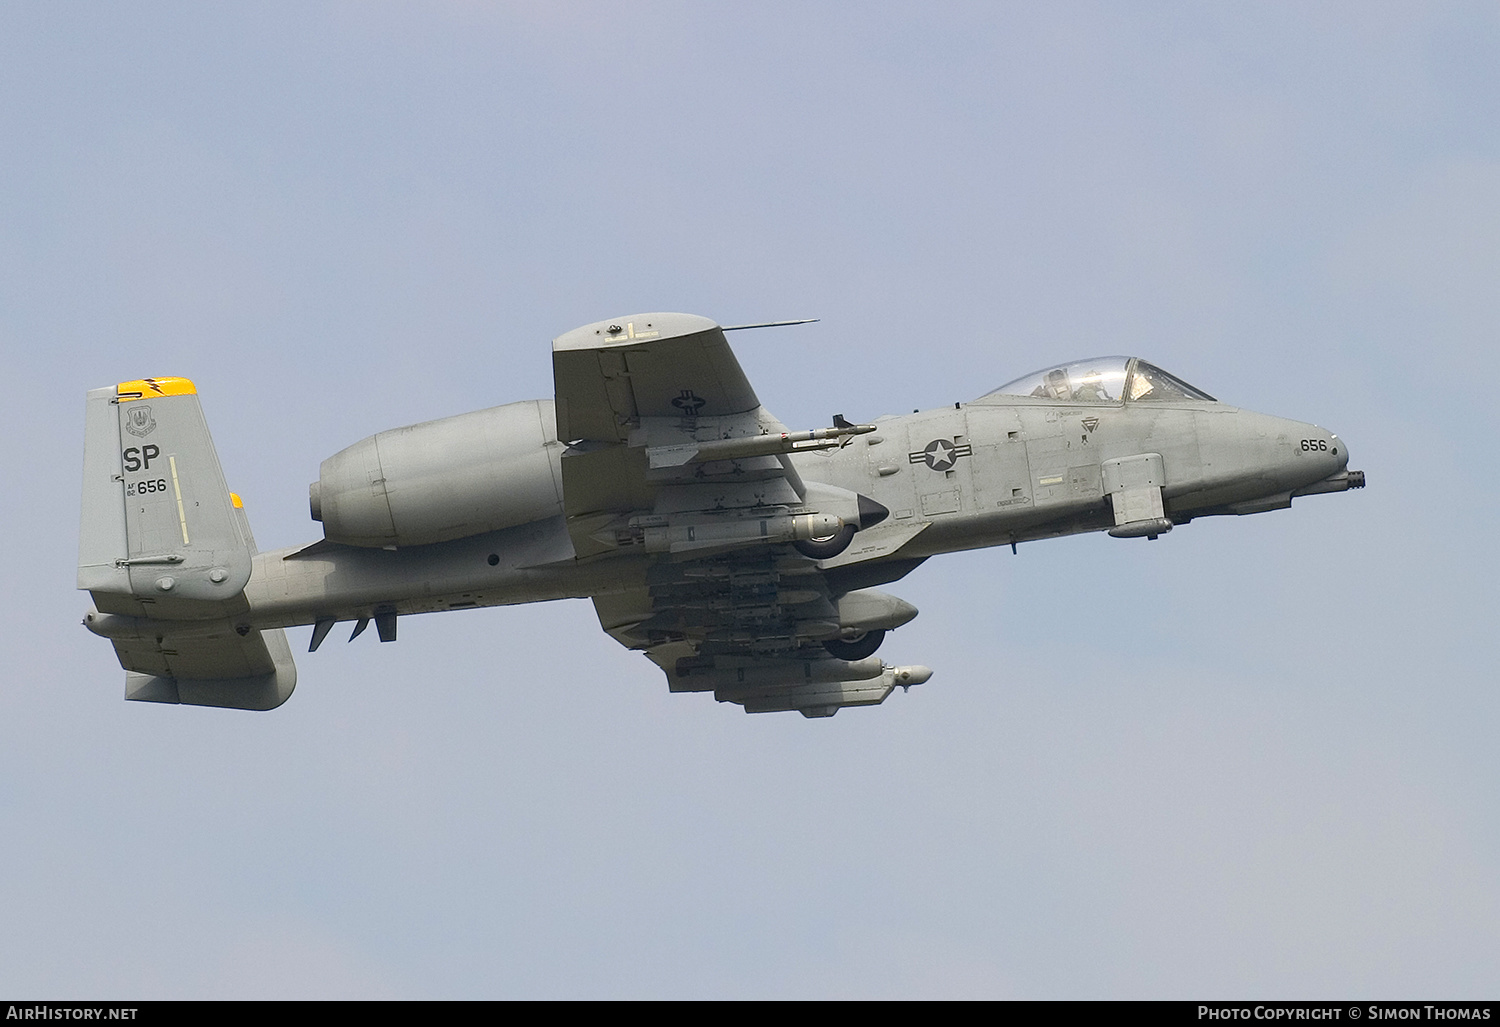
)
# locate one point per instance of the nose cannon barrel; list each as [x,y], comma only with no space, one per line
[1340,482]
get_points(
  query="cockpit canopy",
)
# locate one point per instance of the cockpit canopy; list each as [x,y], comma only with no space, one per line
[1104,380]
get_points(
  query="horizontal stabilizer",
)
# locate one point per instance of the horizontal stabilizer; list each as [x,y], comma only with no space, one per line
[264,658]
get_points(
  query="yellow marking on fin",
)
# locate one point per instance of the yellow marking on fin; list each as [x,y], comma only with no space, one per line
[145,388]
[234,497]
[181,514]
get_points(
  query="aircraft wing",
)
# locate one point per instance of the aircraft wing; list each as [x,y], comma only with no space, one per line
[634,399]
[612,374]
[672,459]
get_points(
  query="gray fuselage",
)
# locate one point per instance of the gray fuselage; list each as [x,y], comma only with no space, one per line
[1001,470]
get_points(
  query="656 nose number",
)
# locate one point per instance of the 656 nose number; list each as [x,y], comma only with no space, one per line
[1314,445]
[140,488]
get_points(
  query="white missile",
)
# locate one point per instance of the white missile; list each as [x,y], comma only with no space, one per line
[754,445]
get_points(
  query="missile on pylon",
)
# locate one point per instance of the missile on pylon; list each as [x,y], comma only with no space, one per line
[769,444]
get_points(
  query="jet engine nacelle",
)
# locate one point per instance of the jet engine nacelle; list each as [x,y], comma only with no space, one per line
[442,480]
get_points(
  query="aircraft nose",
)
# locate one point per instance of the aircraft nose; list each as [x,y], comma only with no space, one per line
[1277,455]
[1303,453]
[1332,463]
[1318,451]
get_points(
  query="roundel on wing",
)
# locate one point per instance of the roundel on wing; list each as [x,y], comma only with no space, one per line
[689,403]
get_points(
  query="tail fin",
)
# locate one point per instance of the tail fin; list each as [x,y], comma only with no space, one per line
[158,519]
[165,550]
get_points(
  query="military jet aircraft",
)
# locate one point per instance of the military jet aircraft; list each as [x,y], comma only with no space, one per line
[739,556]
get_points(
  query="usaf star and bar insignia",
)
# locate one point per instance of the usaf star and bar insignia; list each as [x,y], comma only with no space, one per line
[941,454]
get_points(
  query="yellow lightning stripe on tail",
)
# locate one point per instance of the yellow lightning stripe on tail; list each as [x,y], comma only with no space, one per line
[144,388]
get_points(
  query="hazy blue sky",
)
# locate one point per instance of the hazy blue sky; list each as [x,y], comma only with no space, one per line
[1254,757]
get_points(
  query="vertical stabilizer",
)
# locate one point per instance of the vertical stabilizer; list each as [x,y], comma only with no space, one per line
[158,519]
[165,549]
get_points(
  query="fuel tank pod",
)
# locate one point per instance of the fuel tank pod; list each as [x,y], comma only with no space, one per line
[442,480]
